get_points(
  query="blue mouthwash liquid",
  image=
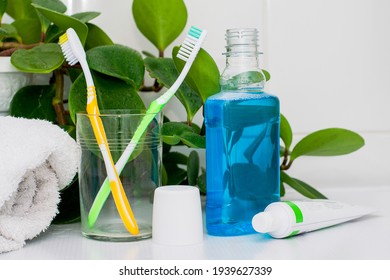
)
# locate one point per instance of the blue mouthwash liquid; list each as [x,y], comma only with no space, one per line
[242,159]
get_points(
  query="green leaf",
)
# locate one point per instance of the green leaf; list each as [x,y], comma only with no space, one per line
[53,32]
[267,75]
[86,16]
[160,22]
[111,93]
[9,31]
[34,102]
[174,132]
[171,132]
[3,7]
[196,128]
[248,77]
[41,59]
[64,22]
[21,9]
[171,140]
[193,140]
[148,54]
[28,29]
[74,73]
[282,189]
[301,187]
[164,176]
[286,133]
[328,142]
[166,149]
[164,70]
[4,33]
[118,61]
[201,183]
[176,175]
[203,76]
[193,168]
[96,37]
[175,158]
[55,5]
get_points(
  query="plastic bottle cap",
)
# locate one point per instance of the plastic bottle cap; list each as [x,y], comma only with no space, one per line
[263,222]
[177,216]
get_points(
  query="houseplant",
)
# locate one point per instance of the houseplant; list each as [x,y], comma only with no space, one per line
[119,72]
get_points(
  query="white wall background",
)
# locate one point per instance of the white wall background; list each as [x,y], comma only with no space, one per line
[329,61]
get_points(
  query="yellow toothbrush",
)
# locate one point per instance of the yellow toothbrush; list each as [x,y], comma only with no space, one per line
[187,52]
[74,52]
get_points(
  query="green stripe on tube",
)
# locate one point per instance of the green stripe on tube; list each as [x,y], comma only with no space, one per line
[293,233]
[297,212]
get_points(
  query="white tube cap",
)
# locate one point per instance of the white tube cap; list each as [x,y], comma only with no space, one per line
[177,216]
[264,222]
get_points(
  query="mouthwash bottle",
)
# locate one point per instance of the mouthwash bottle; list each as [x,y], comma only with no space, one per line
[242,141]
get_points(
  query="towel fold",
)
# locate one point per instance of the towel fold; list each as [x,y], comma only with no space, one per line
[37,159]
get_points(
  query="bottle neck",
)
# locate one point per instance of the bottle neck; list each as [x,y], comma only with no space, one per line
[242,70]
[241,61]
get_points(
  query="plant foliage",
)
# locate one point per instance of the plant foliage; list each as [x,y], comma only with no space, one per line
[119,71]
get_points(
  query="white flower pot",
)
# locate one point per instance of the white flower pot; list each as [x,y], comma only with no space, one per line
[11,80]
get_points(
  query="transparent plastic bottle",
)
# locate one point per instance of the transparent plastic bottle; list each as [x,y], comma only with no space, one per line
[242,141]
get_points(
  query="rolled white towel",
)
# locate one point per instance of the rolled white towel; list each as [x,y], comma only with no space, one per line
[37,159]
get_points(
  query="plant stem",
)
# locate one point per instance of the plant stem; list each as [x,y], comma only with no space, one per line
[57,102]
[156,86]
[286,164]
[8,48]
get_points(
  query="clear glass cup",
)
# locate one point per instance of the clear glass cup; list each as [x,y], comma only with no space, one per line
[140,176]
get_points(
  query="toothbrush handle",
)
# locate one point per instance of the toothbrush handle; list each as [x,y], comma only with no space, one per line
[105,189]
[155,107]
[114,182]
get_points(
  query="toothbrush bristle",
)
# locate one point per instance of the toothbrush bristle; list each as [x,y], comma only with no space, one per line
[191,44]
[63,38]
[67,50]
[195,32]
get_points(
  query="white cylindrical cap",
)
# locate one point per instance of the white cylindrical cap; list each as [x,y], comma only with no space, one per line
[264,222]
[177,216]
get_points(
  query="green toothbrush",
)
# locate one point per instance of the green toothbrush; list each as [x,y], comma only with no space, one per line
[187,52]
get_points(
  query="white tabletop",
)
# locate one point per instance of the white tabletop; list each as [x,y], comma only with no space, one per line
[364,238]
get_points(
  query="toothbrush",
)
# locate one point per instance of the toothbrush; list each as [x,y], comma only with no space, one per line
[74,52]
[187,52]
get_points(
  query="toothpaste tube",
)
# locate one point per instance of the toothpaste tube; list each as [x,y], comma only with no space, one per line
[288,218]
